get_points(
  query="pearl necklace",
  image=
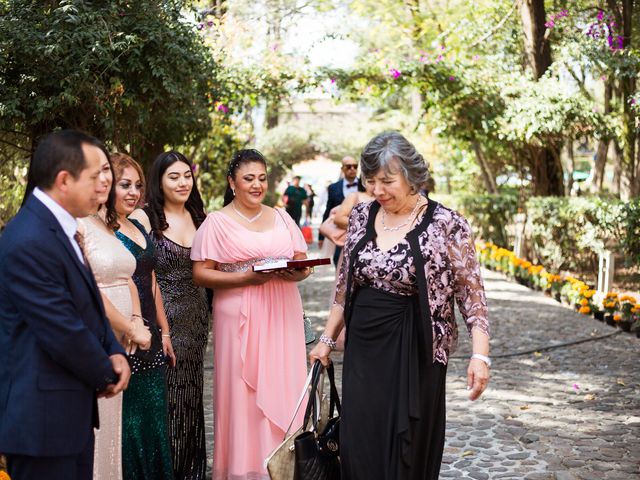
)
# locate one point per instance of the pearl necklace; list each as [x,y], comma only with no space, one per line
[402,225]
[250,220]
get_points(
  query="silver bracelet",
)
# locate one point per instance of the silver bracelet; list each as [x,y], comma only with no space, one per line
[484,358]
[328,341]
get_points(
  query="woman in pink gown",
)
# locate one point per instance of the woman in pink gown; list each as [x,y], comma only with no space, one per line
[259,343]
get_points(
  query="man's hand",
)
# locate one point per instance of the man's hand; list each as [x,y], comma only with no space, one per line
[121,368]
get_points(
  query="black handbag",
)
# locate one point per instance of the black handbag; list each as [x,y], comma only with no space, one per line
[317,454]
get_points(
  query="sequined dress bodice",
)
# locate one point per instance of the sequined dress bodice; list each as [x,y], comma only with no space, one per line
[142,277]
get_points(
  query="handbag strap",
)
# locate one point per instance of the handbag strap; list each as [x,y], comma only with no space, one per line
[300,400]
[313,405]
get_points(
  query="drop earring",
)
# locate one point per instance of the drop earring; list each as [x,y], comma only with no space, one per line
[233,191]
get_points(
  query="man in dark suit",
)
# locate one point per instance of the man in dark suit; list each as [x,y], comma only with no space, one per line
[336,193]
[57,350]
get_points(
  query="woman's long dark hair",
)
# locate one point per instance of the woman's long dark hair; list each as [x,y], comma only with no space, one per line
[155,196]
[241,157]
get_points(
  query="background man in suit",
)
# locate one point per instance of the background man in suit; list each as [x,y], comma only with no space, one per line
[336,193]
[57,349]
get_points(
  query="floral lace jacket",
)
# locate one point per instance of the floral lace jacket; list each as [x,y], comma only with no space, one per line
[451,269]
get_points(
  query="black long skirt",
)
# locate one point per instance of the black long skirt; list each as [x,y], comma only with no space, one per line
[393,410]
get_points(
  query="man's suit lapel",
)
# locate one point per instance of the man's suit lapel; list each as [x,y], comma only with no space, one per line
[45,215]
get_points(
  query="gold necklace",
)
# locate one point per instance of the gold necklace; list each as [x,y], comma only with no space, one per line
[408,221]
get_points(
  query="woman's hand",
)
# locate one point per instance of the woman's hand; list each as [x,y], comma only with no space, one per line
[477,378]
[167,348]
[320,352]
[258,278]
[293,275]
[139,333]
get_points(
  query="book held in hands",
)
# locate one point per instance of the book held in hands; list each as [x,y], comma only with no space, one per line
[291,264]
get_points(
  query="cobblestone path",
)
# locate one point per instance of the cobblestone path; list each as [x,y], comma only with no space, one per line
[567,413]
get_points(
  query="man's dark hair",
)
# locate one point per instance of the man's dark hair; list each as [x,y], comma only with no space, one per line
[58,151]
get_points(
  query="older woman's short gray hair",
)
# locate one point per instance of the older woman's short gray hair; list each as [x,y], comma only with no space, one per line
[387,146]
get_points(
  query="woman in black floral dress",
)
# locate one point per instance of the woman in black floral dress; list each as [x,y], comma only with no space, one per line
[405,260]
[172,215]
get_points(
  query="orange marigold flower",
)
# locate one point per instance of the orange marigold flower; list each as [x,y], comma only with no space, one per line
[617,317]
[585,310]
[584,302]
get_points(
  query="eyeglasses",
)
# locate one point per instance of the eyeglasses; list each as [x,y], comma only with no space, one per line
[348,166]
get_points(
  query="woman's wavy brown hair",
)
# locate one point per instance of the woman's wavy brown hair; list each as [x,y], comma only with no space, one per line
[120,161]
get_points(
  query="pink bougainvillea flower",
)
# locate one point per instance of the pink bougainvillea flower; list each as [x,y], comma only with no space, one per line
[395,73]
[440,58]
[275,46]
[210,23]
[550,24]
[600,15]
[476,58]
[223,108]
[333,81]
[194,168]
[576,387]
[452,78]
[200,26]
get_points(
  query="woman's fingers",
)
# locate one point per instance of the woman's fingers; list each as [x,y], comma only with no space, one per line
[477,378]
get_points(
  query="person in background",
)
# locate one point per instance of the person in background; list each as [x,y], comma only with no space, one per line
[311,195]
[57,350]
[341,218]
[112,265]
[258,329]
[146,453]
[296,195]
[407,259]
[173,212]
[338,191]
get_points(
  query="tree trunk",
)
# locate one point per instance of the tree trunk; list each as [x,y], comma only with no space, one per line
[623,13]
[544,162]
[487,177]
[536,47]
[546,172]
[603,143]
[572,166]
[617,169]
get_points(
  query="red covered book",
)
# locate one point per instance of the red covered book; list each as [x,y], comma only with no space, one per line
[291,264]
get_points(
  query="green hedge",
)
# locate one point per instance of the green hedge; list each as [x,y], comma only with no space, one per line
[563,233]
[568,233]
[489,215]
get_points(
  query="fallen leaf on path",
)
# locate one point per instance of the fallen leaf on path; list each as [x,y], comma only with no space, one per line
[621,382]
[468,453]
[524,407]
[589,396]
[537,354]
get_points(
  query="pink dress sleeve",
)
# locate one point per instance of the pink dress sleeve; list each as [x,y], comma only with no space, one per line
[206,244]
[297,239]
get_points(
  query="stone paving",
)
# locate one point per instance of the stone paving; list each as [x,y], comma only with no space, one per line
[570,413]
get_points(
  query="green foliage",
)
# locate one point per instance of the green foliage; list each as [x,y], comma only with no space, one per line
[135,74]
[568,233]
[490,216]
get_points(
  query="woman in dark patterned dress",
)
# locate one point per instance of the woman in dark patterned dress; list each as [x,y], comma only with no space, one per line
[146,454]
[173,213]
[406,259]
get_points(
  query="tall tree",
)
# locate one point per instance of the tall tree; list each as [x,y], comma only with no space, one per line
[134,74]
[544,161]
